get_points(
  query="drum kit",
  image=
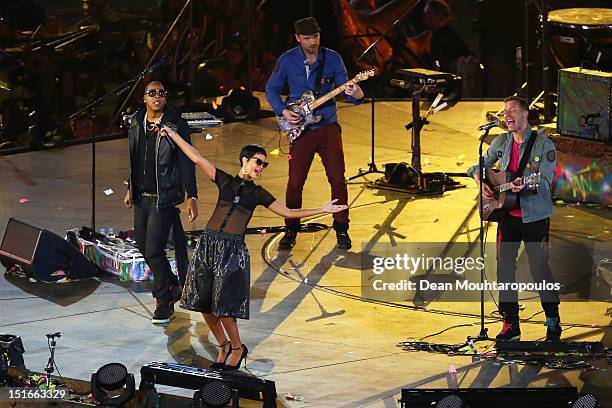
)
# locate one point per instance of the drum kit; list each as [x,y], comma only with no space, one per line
[575,37]
[581,37]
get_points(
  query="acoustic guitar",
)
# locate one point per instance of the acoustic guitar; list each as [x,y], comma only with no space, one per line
[501,183]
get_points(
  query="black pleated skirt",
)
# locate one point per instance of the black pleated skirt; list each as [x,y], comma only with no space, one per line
[218,279]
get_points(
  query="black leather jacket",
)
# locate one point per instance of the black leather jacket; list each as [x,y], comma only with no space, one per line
[175,172]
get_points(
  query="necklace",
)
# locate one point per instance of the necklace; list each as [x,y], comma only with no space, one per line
[154,124]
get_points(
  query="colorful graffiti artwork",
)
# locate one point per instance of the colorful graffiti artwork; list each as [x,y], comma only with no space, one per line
[583,172]
[123,260]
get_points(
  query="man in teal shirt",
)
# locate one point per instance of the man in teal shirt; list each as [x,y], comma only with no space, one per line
[528,221]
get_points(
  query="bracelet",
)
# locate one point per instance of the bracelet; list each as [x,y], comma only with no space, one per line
[193,198]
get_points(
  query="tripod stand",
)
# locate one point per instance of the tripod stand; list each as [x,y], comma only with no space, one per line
[410,178]
[51,363]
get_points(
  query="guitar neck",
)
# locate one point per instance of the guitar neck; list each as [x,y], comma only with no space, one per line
[508,186]
[320,101]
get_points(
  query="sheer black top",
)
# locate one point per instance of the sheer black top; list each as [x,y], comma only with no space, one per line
[236,203]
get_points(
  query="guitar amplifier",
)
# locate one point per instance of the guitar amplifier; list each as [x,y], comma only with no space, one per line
[584,104]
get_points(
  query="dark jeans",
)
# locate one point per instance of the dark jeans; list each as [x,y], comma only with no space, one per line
[510,232]
[327,141]
[151,229]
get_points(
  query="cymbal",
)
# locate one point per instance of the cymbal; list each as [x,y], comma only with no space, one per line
[582,17]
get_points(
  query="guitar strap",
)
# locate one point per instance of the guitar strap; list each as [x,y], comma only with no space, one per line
[319,77]
[499,214]
[526,154]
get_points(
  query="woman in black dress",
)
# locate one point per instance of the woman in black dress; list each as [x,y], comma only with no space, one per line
[218,280]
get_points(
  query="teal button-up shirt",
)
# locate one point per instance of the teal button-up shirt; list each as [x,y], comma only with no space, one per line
[536,203]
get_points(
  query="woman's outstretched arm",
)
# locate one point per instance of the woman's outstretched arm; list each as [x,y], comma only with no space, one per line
[190,151]
[278,208]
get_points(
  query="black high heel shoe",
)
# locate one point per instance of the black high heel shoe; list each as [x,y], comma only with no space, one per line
[218,366]
[245,351]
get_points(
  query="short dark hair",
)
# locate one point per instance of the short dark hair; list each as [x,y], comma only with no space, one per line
[154,83]
[251,150]
[522,102]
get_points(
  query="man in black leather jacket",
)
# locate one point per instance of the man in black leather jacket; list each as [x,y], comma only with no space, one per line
[160,173]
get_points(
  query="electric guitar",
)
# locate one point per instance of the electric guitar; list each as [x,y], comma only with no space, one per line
[500,182]
[306,104]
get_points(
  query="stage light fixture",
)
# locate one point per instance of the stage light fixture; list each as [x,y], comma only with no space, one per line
[585,401]
[11,348]
[110,378]
[451,401]
[214,394]
[240,104]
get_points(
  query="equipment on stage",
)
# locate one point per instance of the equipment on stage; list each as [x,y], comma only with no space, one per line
[548,397]
[108,380]
[183,376]
[116,255]
[41,254]
[573,37]
[585,104]
[11,351]
[585,401]
[240,104]
[50,368]
[502,182]
[215,394]
[403,177]
[196,121]
[491,125]
[411,77]
[581,36]
[201,120]
[410,178]
[586,347]
[306,104]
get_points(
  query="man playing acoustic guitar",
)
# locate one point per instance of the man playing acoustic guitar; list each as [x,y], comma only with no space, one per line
[528,220]
[309,67]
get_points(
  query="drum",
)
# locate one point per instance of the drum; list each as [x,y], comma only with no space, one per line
[581,37]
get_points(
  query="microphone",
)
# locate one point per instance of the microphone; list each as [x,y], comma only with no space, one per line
[586,120]
[490,125]
[401,84]
[170,125]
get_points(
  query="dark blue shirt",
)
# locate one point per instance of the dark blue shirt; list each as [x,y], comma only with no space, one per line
[291,68]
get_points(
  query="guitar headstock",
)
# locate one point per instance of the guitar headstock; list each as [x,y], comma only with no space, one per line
[363,75]
[532,180]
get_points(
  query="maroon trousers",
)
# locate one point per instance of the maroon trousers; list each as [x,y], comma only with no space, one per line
[327,141]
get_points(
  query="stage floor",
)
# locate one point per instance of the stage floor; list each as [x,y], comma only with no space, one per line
[309,331]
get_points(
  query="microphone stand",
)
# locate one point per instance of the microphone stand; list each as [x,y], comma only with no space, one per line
[372,168]
[51,363]
[481,171]
[91,109]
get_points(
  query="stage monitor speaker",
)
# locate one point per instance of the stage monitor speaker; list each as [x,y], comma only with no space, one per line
[401,175]
[584,104]
[41,253]
[549,397]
